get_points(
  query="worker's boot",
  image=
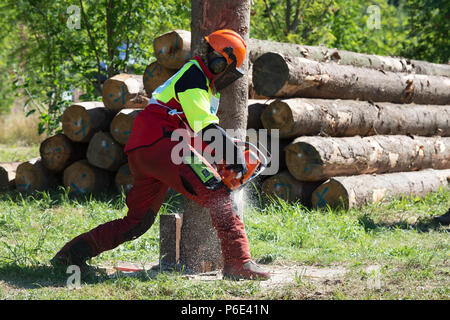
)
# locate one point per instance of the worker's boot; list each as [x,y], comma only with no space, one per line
[444,219]
[76,252]
[247,271]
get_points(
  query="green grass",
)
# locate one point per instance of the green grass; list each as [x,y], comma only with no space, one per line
[410,251]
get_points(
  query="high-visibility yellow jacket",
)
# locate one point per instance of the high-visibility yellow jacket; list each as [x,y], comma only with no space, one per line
[190,87]
[189,92]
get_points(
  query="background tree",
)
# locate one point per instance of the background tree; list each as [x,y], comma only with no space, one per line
[68,45]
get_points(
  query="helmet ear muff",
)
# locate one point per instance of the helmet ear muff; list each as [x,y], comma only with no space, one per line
[217,65]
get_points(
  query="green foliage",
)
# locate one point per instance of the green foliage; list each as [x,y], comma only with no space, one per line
[68,45]
[429,30]
[361,26]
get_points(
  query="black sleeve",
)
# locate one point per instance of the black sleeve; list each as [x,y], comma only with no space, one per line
[192,78]
[228,142]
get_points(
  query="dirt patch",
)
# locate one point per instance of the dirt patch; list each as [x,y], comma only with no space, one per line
[280,274]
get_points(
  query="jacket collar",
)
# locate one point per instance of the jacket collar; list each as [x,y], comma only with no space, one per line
[205,69]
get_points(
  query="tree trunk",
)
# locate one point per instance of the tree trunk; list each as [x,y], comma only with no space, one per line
[105,153]
[82,120]
[122,124]
[124,179]
[155,75]
[283,185]
[319,158]
[173,49]
[82,178]
[124,91]
[57,152]
[200,247]
[322,54]
[33,176]
[275,75]
[355,191]
[7,175]
[340,118]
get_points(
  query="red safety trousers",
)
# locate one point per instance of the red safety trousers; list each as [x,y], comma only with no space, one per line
[154,173]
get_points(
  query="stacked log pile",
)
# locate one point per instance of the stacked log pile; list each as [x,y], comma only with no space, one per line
[347,122]
[361,127]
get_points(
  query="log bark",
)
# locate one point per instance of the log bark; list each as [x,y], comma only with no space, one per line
[122,124]
[105,153]
[82,178]
[123,179]
[173,49]
[155,75]
[200,247]
[341,118]
[319,158]
[7,175]
[323,54]
[280,76]
[58,152]
[124,91]
[355,191]
[82,120]
[33,176]
[283,185]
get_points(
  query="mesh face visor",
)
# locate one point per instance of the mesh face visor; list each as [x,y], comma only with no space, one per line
[231,73]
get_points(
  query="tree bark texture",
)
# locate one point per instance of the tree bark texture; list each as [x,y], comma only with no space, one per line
[173,49]
[122,124]
[275,75]
[124,91]
[341,118]
[323,54]
[105,153]
[355,191]
[82,120]
[283,185]
[200,247]
[81,178]
[319,158]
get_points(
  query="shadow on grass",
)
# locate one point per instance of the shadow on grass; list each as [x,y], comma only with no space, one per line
[35,277]
[42,276]
[421,225]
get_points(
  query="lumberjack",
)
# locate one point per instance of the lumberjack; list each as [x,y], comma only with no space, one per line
[189,100]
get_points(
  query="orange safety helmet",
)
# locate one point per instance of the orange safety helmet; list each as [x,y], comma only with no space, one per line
[221,39]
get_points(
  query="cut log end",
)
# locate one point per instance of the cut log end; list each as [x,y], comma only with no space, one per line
[120,89]
[104,152]
[33,176]
[331,193]
[82,178]
[173,49]
[279,116]
[80,121]
[155,75]
[122,124]
[284,186]
[269,66]
[56,152]
[124,179]
[304,162]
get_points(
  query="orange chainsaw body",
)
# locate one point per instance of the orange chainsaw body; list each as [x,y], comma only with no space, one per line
[229,177]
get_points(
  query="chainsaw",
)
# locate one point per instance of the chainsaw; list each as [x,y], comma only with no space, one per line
[215,175]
